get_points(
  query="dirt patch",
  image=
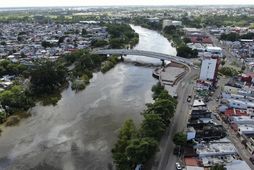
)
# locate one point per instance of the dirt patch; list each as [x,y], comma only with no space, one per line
[12,120]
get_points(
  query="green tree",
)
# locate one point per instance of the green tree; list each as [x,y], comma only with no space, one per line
[223,62]
[180,139]
[140,150]
[83,32]
[3,43]
[217,167]
[164,108]
[152,126]
[229,71]
[127,133]
[99,43]
[157,89]
[186,52]
[15,99]
[230,37]
[47,77]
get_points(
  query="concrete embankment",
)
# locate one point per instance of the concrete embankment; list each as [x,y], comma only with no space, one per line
[170,75]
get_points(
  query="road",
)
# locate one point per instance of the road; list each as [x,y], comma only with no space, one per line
[230,58]
[165,158]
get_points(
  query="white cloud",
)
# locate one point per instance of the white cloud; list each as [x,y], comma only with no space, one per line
[24,3]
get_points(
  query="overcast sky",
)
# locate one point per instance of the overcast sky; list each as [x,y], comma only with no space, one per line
[29,3]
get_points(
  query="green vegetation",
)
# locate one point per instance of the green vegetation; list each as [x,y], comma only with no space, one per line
[217,20]
[85,64]
[9,68]
[47,77]
[110,63]
[217,167]
[137,146]
[180,139]
[176,35]
[143,21]
[99,43]
[228,71]
[121,35]
[236,37]
[16,99]
[186,52]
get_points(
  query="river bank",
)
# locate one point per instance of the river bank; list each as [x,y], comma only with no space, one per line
[79,131]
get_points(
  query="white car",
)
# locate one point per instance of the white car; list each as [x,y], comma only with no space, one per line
[178,166]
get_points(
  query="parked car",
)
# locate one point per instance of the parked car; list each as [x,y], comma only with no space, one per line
[178,166]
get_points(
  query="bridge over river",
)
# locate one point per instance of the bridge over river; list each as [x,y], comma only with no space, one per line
[150,54]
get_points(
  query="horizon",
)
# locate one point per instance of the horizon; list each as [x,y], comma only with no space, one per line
[120,3]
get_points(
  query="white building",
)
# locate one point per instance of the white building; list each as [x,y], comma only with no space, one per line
[208,69]
[241,120]
[215,51]
[247,129]
[167,22]
[216,149]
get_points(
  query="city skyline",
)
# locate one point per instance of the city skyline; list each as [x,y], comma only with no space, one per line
[47,3]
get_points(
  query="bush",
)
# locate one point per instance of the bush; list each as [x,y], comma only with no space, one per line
[229,71]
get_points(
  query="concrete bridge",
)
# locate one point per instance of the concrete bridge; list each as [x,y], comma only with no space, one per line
[150,54]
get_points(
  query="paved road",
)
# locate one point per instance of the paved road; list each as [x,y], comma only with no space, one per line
[166,158]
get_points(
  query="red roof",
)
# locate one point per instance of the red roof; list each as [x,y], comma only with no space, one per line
[235,112]
[250,74]
[202,39]
[191,161]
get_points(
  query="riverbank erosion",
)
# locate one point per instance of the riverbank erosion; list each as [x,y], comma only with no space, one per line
[79,131]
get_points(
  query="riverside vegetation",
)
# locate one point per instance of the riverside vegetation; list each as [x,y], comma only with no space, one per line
[137,145]
[45,80]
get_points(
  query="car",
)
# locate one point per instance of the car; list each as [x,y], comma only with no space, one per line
[178,166]
[189,99]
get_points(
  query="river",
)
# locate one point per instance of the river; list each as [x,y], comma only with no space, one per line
[79,132]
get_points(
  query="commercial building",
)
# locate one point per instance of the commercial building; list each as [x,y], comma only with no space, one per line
[208,69]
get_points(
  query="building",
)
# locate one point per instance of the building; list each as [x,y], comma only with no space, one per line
[208,69]
[215,51]
[167,22]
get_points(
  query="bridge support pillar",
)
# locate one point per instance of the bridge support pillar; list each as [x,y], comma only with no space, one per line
[122,59]
[163,63]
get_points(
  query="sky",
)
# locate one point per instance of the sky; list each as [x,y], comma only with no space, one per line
[37,3]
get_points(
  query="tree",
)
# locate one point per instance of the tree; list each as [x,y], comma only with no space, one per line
[83,32]
[217,167]
[99,43]
[47,77]
[171,29]
[228,71]
[46,44]
[186,52]
[164,108]
[126,134]
[230,37]
[3,43]
[180,139]
[157,89]
[223,62]
[140,150]
[15,99]
[152,126]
